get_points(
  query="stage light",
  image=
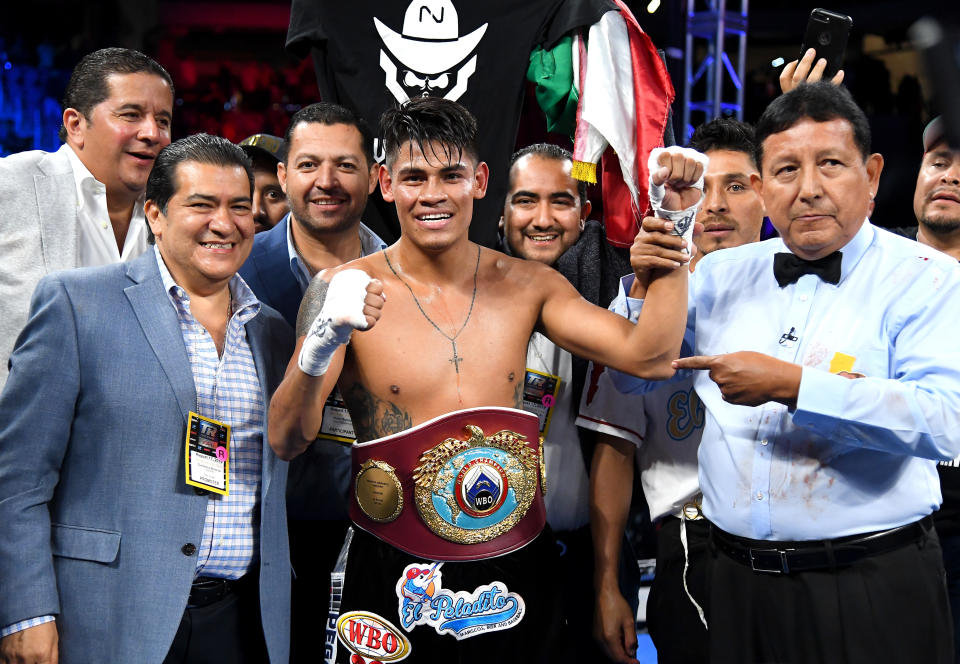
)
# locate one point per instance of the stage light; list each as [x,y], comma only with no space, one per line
[653,6]
[777,62]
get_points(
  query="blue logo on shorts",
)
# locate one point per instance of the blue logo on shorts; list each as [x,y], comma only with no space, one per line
[424,601]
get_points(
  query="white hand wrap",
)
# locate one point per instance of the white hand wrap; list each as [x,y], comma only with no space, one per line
[682,219]
[342,313]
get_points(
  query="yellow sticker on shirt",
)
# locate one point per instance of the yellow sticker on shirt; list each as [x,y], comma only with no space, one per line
[842,362]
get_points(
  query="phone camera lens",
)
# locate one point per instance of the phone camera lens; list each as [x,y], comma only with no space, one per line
[824,38]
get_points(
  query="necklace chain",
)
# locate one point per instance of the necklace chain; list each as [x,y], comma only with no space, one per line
[456,359]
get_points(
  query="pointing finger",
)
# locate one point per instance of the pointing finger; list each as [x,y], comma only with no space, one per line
[695,362]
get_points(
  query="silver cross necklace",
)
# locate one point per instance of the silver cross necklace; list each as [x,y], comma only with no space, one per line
[457,358]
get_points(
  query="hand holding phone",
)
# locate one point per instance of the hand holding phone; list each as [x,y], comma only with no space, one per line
[827,32]
[821,54]
[805,71]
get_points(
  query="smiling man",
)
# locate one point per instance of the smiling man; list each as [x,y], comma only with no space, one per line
[545,209]
[826,365]
[134,469]
[434,382]
[327,173]
[83,204]
[545,220]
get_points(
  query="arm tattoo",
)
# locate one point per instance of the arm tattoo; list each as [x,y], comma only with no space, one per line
[518,396]
[373,417]
[311,305]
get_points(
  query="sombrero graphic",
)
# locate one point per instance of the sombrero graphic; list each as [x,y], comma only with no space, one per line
[430,42]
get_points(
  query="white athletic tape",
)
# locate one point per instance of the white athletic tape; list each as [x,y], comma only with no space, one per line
[345,298]
[682,219]
[342,313]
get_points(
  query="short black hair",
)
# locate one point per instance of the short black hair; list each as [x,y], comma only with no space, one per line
[200,148]
[88,84]
[725,133]
[424,120]
[326,113]
[820,102]
[551,152]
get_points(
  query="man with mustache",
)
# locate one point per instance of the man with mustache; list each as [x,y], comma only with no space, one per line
[327,174]
[936,202]
[546,219]
[83,204]
[661,431]
[936,199]
[819,489]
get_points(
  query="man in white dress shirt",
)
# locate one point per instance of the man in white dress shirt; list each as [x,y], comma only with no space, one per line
[827,364]
[83,204]
[544,215]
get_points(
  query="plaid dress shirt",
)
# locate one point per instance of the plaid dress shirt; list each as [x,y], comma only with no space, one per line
[228,390]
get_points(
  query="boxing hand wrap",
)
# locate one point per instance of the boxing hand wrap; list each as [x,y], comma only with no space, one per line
[342,313]
[682,219]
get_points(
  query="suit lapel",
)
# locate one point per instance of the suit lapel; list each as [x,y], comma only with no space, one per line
[158,319]
[258,339]
[273,266]
[56,192]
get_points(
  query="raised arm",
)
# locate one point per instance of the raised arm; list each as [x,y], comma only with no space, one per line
[328,316]
[647,349]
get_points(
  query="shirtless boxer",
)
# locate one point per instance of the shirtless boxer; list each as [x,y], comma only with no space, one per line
[452,338]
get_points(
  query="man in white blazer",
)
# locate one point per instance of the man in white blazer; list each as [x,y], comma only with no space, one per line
[83,204]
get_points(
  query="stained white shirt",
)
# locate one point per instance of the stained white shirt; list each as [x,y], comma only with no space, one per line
[857,455]
[96,243]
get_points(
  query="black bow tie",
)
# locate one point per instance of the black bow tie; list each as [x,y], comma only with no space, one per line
[787,268]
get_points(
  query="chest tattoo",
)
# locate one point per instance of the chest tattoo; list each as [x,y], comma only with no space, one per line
[374,417]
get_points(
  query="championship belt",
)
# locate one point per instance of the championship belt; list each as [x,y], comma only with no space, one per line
[462,486]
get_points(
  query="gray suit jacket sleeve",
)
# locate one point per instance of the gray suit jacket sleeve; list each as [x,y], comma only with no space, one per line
[38,233]
[36,411]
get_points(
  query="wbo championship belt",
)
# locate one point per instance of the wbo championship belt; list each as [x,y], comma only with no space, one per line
[462,486]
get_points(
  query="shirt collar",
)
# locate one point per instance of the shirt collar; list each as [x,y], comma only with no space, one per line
[245,303]
[82,177]
[297,266]
[88,186]
[854,250]
[370,243]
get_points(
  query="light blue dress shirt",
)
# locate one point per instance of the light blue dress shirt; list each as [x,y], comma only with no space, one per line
[370,243]
[228,390]
[857,455]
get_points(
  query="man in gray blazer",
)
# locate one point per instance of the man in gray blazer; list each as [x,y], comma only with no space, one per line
[83,204]
[140,504]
